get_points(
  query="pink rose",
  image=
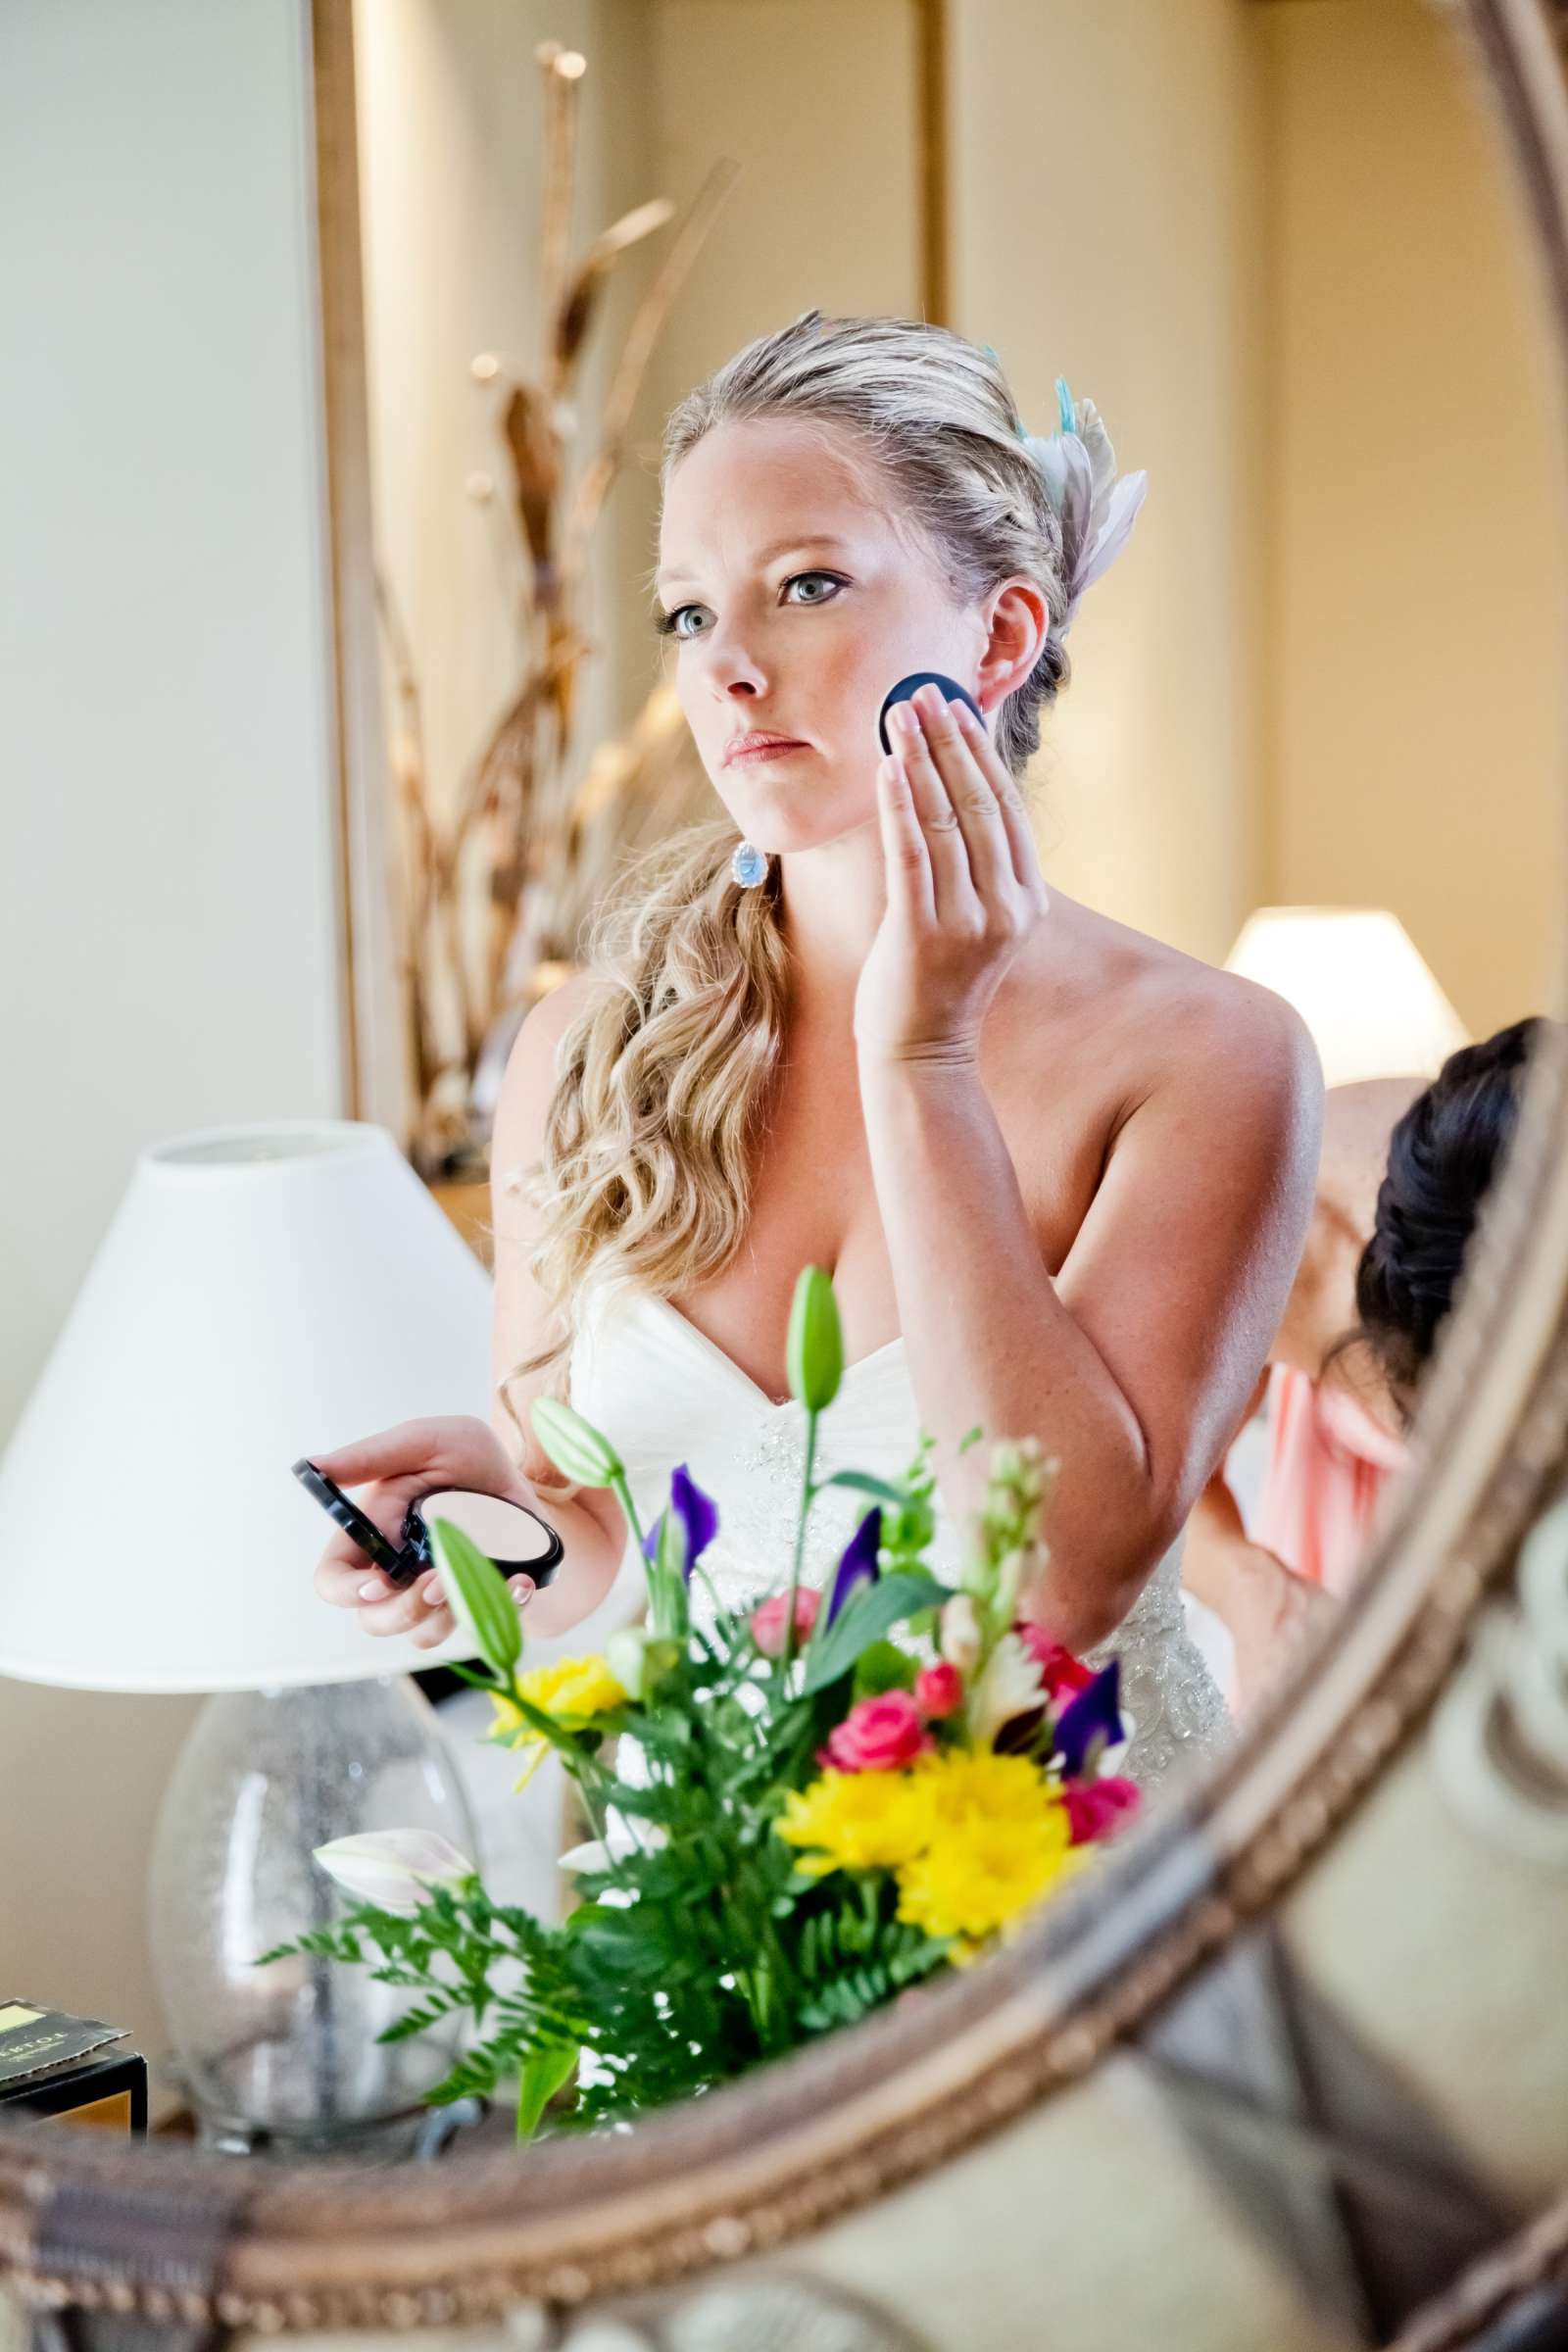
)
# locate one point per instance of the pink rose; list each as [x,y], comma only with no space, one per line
[771,1619]
[1059,1670]
[938,1692]
[1099,1808]
[879,1735]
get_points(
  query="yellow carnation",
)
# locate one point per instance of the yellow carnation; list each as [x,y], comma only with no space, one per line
[979,1877]
[572,1691]
[858,1821]
[976,1785]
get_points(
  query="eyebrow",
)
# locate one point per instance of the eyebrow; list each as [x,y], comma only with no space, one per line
[765,554]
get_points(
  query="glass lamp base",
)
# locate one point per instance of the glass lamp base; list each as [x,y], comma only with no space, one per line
[285,2059]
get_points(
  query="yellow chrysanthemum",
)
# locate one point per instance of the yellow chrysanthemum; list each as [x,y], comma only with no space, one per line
[980,1876]
[976,1785]
[573,1691]
[858,1821]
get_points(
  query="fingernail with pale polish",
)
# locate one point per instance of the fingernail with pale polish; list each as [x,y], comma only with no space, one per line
[369,1590]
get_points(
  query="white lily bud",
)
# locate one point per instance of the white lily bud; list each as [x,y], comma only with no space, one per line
[392,1868]
[1010,1572]
[960,1639]
[627,1656]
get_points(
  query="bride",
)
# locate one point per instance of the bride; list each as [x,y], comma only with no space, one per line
[1061,1174]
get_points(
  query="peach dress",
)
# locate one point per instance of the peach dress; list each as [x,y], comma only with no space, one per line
[1329,1465]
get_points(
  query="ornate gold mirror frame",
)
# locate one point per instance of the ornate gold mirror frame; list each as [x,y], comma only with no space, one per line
[1124,1960]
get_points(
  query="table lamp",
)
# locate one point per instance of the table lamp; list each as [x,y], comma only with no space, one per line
[1356,978]
[264,1293]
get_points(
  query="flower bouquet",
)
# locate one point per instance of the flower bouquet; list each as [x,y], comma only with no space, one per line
[802,1810]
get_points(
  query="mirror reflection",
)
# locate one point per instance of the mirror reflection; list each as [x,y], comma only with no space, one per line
[948,871]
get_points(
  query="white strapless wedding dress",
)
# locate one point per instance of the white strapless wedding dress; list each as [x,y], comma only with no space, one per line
[663,1393]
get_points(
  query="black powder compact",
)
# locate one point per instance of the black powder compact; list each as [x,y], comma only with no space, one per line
[907,688]
[517,1540]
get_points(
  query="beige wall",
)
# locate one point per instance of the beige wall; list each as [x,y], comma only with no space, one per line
[816,103]
[1106,227]
[449,123]
[167,958]
[1417,512]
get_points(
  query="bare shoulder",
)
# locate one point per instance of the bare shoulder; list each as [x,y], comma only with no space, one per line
[550,1019]
[1169,1025]
[530,1073]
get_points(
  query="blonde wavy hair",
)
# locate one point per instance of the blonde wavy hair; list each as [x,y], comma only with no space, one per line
[664,1077]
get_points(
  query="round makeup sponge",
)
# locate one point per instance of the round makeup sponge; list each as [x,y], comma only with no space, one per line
[907,688]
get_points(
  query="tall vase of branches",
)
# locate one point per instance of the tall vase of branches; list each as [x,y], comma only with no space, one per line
[495,879]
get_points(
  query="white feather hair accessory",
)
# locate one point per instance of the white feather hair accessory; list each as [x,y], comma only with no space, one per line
[1095,509]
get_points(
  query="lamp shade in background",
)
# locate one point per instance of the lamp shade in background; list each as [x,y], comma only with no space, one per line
[1355,977]
[264,1293]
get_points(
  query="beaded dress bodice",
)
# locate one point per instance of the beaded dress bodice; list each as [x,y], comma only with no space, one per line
[663,1393]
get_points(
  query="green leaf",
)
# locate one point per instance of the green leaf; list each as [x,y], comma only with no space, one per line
[582,1452]
[666,1583]
[884,1667]
[556,1734]
[864,1482]
[539,2078]
[478,1592]
[415,2020]
[864,1620]
[813,1353]
[465,1674]
[911,1529]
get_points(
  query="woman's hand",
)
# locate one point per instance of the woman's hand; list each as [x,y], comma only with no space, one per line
[965,890]
[396,1466]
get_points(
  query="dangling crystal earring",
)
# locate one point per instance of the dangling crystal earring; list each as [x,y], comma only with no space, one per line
[749,866]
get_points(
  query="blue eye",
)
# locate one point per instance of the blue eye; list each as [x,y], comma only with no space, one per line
[835,583]
[668,624]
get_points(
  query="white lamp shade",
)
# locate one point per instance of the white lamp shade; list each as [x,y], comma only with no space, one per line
[263,1293]
[1356,978]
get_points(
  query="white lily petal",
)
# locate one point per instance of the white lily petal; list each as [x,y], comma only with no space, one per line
[392,1868]
[620,1838]
[1010,1685]
[593,1855]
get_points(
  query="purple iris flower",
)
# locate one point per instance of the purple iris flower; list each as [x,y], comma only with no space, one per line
[858,1564]
[698,1513]
[1092,1715]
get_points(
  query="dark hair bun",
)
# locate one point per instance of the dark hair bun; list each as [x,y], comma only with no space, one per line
[1443,1156]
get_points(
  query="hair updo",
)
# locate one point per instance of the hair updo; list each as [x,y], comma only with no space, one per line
[1442,1157]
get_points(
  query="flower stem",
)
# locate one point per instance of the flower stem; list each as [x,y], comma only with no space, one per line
[808,1497]
[623,1493]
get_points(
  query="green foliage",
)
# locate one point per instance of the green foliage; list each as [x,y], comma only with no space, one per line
[882,1666]
[872,1612]
[854,1958]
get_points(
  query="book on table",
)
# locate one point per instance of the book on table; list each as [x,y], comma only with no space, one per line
[73,2069]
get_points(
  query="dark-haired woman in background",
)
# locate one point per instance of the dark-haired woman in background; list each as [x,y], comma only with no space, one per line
[1340,1402]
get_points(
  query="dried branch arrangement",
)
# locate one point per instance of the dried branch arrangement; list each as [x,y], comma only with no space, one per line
[494,888]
